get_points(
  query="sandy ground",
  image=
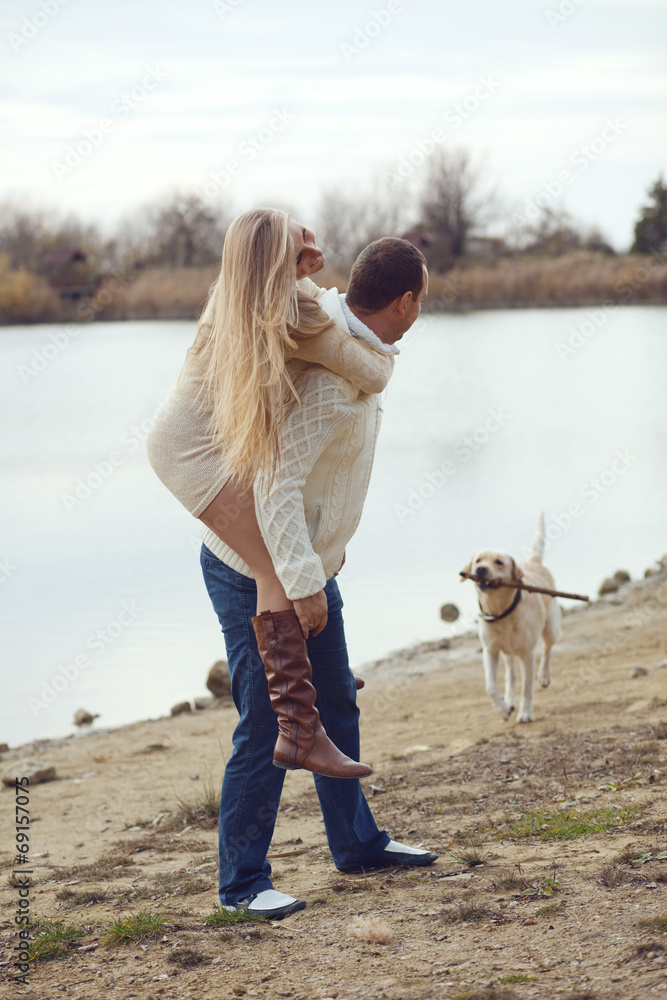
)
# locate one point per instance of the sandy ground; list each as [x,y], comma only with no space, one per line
[509,910]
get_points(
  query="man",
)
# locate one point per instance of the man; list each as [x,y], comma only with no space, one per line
[306,518]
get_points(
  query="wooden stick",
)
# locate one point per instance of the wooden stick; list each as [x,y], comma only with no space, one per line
[524,586]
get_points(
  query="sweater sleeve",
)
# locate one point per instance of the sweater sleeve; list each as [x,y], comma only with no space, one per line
[335,349]
[280,510]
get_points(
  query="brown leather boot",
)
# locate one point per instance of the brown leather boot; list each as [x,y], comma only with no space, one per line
[359,682]
[302,740]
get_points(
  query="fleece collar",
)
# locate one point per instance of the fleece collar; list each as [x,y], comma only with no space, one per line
[360,331]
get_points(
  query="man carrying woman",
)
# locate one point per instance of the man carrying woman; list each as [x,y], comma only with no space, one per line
[268,438]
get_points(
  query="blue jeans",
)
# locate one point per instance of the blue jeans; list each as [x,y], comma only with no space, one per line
[252,784]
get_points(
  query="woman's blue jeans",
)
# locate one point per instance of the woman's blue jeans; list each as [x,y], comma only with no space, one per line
[252,784]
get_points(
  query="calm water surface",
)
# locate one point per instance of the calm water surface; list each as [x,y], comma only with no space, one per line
[487,421]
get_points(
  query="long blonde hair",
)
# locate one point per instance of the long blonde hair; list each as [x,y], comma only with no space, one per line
[257,314]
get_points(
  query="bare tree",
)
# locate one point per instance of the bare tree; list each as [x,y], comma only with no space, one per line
[30,236]
[454,205]
[181,231]
[348,222]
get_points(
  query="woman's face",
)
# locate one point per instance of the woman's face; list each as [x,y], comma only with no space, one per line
[309,257]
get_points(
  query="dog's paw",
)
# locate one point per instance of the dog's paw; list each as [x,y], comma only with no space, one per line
[503,709]
[544,677]
[525,715]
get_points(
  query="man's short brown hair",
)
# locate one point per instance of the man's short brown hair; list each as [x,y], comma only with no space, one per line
[383,271]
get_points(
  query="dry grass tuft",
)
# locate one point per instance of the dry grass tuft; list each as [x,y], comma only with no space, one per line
[373,929]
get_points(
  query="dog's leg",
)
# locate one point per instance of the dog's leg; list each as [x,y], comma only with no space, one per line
[490,675]
[525,713]
[550,635]
[510,689]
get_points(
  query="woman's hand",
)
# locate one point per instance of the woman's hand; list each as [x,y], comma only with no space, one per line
[312,613]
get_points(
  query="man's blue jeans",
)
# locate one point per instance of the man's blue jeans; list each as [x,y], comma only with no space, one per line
[252,784]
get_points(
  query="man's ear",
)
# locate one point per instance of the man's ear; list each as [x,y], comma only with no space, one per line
[402,304]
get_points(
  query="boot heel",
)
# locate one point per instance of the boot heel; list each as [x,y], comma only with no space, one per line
[286,767]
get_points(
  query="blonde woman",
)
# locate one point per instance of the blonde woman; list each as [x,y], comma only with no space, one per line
[219,429]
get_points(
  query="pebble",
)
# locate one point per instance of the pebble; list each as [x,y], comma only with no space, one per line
[638,672]
[181,707]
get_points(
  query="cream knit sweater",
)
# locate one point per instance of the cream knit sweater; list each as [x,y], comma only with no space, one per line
[327,448]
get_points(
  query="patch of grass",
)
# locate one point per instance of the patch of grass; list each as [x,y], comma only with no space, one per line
[188,958]
[466,911]
[202,810]
[570,825]
[512,881]
[518,978]
[180,884]
[655,924]
[133,928]
[113,866]
[353,885]
[54,941]
[613,876]
[86,898]
[551,910]
[230,918]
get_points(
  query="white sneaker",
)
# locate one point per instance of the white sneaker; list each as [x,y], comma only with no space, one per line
[269,903]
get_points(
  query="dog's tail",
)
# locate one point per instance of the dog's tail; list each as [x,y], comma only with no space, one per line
[537,548]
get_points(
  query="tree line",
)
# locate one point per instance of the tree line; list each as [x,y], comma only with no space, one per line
[453,216]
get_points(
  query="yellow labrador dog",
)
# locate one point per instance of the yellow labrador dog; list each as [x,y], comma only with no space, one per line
[513,621]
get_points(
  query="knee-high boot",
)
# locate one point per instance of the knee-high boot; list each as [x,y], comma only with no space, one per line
[302,740]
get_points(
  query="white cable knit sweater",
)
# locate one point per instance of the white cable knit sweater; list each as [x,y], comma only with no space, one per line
[327,450]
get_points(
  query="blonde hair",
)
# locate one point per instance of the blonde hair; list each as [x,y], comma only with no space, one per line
[256,314]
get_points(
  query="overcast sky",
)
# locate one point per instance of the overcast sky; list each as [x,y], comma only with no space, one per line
[279,100]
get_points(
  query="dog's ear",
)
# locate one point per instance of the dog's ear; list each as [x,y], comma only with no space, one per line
[467,570]
[518,573]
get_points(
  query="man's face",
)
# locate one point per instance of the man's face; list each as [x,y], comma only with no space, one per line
[309,257]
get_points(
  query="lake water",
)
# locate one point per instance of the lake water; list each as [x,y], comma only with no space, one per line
[488,420]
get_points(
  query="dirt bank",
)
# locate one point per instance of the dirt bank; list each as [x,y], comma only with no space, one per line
[548,836]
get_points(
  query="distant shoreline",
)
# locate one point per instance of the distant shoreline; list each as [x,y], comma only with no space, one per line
[577,279]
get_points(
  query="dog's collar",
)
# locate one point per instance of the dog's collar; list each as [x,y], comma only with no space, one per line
[508,611]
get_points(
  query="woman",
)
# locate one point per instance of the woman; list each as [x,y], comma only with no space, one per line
[219,428]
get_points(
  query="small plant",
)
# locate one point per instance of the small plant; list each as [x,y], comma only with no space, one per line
[85,898]
[133,928]
[54,941]
[518,978]
[655,924]
[467,911]
[188,958]
[230,918]
[546,887]
[512,881]
[551,910]
[202,810]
